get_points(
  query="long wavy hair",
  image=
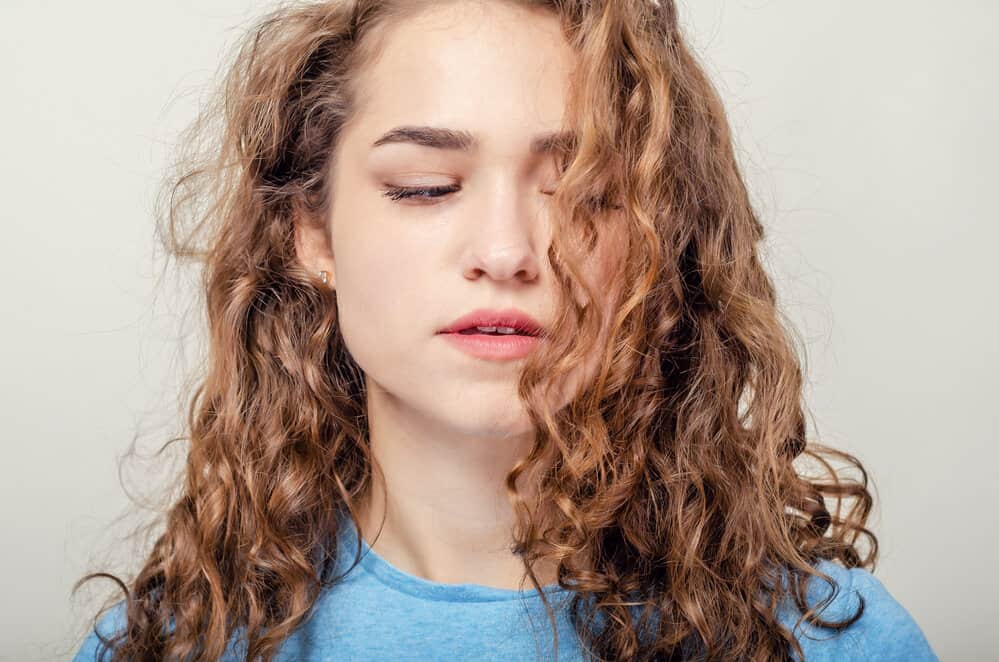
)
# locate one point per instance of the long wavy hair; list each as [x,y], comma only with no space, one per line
[672,501]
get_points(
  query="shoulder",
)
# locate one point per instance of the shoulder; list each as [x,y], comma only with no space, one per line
[111,623]
[884,631]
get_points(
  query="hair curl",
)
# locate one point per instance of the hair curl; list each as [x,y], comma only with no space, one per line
[669,482]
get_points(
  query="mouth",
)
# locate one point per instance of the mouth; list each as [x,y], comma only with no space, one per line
[493,331]
[493,322]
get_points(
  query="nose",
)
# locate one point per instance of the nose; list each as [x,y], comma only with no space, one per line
[505,238]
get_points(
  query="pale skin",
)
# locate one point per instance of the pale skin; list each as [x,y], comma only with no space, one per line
[445,427]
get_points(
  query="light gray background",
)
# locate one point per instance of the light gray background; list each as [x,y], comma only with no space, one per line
[867,132]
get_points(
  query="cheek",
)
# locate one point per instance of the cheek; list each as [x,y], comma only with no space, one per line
[379,268]
[375,282]
[599,271]
[600,266]
[390,305]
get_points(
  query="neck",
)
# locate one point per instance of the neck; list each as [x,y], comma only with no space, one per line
[437,507]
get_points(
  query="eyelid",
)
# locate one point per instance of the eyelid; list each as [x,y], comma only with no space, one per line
[437,192]
[401,193]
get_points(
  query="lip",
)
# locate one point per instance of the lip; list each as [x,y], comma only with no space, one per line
[511,317]
[494,348]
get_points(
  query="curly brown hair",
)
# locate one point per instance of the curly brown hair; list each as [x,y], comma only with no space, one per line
[670,500]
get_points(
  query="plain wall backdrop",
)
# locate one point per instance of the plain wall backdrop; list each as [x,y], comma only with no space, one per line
[867,133]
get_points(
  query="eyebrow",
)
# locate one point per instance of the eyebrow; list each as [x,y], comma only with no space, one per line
[464,141]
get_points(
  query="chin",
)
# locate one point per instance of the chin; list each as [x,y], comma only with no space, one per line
[498,422]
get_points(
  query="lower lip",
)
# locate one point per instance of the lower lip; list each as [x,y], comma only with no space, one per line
[493,348]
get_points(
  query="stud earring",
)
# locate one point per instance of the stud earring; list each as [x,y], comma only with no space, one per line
[325,276]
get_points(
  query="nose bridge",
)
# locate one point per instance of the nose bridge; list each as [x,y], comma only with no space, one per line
[505,233]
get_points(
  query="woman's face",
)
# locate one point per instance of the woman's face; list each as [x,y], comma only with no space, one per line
[404,269]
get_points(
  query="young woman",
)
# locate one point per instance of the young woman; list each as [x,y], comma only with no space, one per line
[485,310]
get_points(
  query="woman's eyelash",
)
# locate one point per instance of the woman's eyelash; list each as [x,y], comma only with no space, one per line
[433,192]
[401,192]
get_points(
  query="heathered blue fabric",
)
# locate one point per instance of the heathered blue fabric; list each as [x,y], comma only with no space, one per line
[382,613]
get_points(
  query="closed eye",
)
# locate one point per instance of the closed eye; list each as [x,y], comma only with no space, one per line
[435,192]
[431,192]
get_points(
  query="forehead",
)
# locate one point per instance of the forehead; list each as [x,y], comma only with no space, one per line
[494,70]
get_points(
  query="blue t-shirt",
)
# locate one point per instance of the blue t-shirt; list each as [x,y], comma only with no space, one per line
[379,612]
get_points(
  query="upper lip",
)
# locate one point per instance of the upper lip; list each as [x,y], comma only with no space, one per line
[511,317]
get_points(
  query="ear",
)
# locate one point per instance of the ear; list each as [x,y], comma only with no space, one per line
[314,247]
